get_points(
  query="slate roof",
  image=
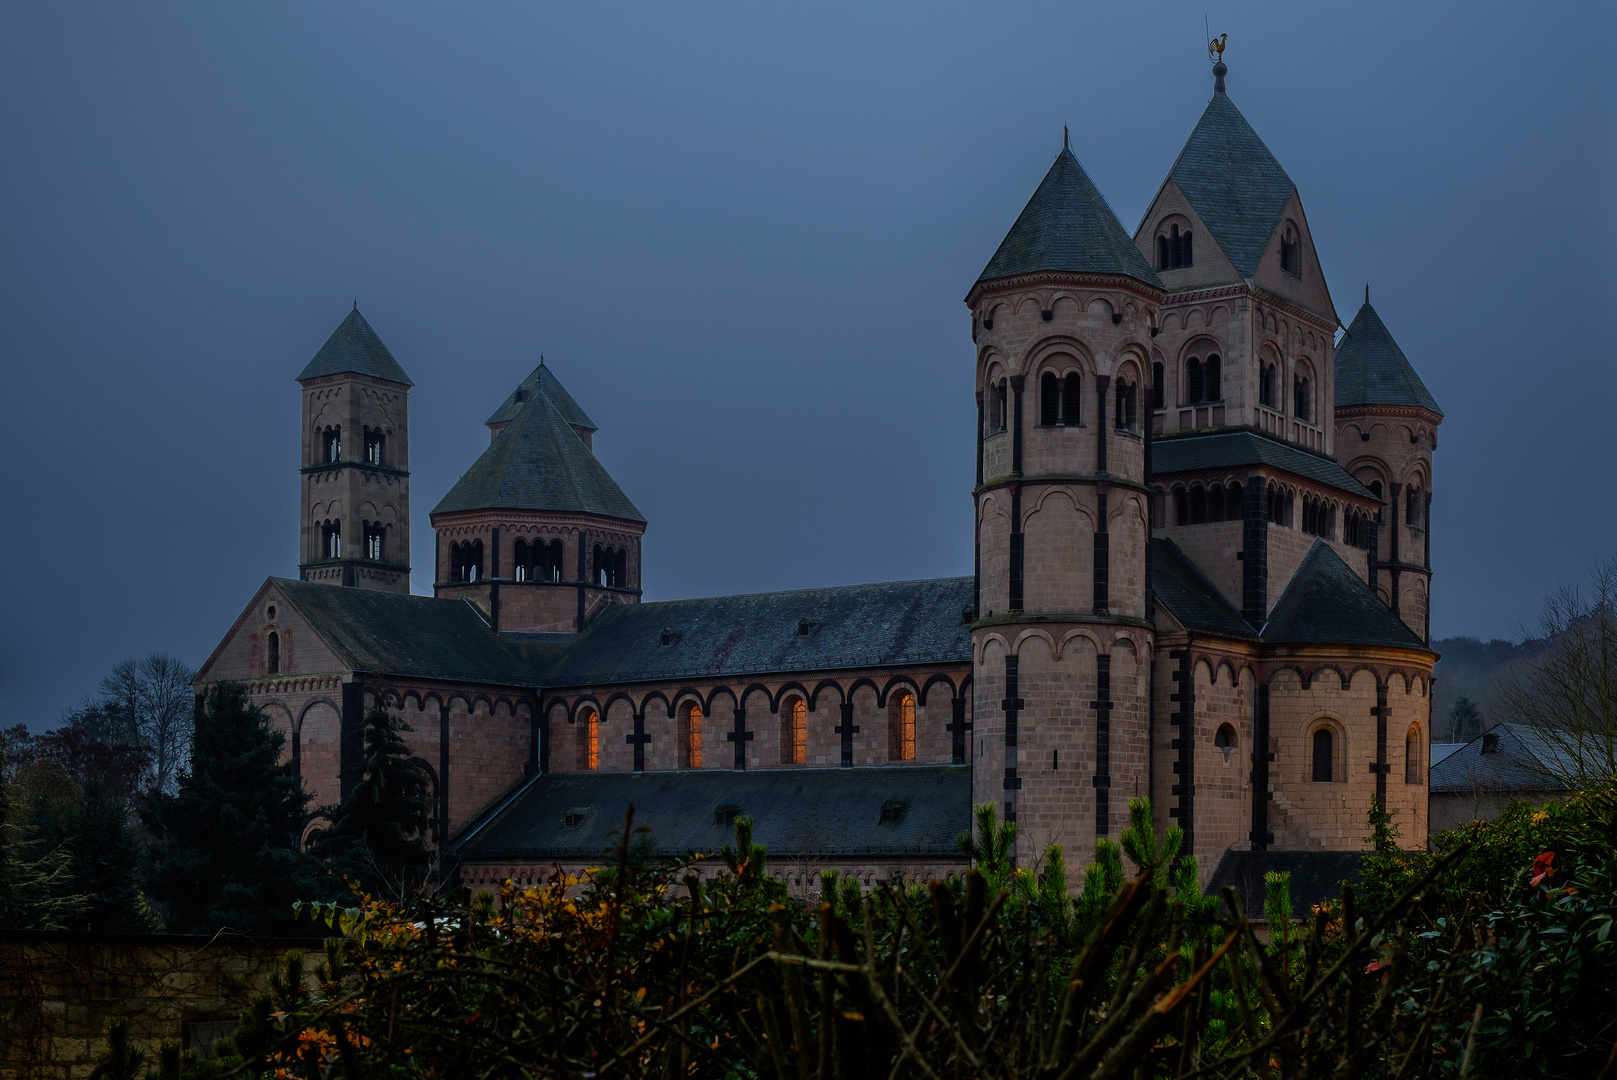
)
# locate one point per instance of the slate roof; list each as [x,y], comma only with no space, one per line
[1068,226]
[354,347]
[1315,876]
[1234,183]
[542,381]
[539,463]
[1372,370]
[879,625]
[1522,762]
[1326,603]
[795,812]
[403,634]
[1239,448]
[1196,602]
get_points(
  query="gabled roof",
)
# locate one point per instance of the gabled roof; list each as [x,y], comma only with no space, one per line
[795,812]
[1326,603]
[848,626]
[539,463]
[1236,448]
[404,634]
[1372,370]
[1234,183]
[1522,760]
[1068,226]
[1184,590]
[354,347]
[542,382]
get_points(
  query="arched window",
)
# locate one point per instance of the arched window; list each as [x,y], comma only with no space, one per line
[1174,250]
[272,654]
[1126,395]
[1162,253]
[1233,501]
[794,733]
[1181,507]
[1273,506]
[1266,386]
[1211,375]
[997,418]
[374,535]
[1195,385]
[455,569]
[1412,506]
[1049,399]
[1302,400]
[901,728]
[555,560]
[472,555]
[522,568]
[1286,513]
[1324,764]
[1072,399]
[1225,739]
[589,740]
[1291,256]
[693,736]
[1198,505]
[331,540]
[1215,503]
[331,440]
[1411,754]
[1156,385]
[373,447]
[623,568]
[1375,489]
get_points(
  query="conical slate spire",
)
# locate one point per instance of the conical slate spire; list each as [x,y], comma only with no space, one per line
[354,347]
[1372,370]
[1068,226]
[1232,180]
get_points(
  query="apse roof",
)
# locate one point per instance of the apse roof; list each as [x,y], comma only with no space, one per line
[355,347]
[1326,603]
[1068,226]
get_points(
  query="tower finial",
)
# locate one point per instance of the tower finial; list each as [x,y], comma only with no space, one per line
[542,355]
[1064,143]
[356,303]
[1215,52]
[1366,292]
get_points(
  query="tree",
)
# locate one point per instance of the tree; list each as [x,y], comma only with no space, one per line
[148,702]
[225,843]
[1464,720]
[1567,694]
[106,864]
[35,891]
[378,835]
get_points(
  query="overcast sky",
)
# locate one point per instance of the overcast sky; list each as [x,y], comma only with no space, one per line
[740,235]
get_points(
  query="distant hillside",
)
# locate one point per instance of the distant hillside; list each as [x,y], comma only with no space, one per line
[1472,668]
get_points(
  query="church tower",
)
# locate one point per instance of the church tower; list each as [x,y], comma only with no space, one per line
[1386,432]
[1062,319]
[536,533]
[356,463]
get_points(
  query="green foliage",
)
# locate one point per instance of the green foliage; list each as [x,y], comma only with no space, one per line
[36,878]
[225,844]
[378,835]
[106,858]
[121,1061]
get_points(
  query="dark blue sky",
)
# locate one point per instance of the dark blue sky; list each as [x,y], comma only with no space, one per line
[740,235]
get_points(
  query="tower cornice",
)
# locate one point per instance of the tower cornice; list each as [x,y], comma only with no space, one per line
[1121,282]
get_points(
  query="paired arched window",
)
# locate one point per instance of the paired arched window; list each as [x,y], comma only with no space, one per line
[1267,393]
[272,654]
[1156,385]
[1198,505]
[538,561]
[1173,249]
[466,561]
[612,567]
[1281,503]
[1319,518]
[1412,756]
[693,736]
[1061,400]
[331,540]
[1128,395]
[1324,756]
[794,732]
[375,538]
[331,445]
[1356,529]
[589,740]
[1412,506]
[1302,398]
[901,727]
[1291,252]
[374,446]
[1203,380]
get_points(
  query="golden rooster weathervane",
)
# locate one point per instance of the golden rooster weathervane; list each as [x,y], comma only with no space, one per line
[1215,48]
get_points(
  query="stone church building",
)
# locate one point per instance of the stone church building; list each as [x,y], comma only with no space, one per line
[1202,574]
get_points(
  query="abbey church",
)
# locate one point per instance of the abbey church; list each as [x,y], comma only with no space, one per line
[1201,575]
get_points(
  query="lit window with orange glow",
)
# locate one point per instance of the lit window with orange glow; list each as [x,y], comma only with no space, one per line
[904,728]
[589,741]
[799,732]
[693,736]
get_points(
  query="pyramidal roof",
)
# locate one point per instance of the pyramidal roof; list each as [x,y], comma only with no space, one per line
[1326,603]
[354,347]
[1372,370]
[542,383]
[1232,180]
[1068,226]
[539,463]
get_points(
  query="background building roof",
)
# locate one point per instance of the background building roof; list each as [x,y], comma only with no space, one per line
[795,812]
[1517,759]
[1372,370]
[355,347]
[1068,226]
[1233,182]
[539,463]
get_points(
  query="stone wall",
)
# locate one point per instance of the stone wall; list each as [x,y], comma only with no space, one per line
[58,990]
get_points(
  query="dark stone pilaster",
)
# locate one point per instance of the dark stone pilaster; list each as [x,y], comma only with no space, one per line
[1392,546]
[352,747]
[1102,781]
[741,737]
[582,539]
[1101,383]
[1254,553]
[1103,557]
[1261,837]
[1016,432]
[1013,707]
[958,727]
[1183,744]
[494,580]
[847,730]
[1380,766]
[638,739]
[1018,550]
[443,772]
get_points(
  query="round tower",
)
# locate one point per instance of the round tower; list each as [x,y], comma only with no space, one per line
[1062,320]
[1386,432]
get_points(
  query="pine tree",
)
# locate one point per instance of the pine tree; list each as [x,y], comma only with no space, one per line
[378,836]
[106,864]
[225,850]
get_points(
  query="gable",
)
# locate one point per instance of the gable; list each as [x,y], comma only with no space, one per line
[1209,264]
[240,654]
[1307,289]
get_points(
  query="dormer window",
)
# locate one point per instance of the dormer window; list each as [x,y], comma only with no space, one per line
[1173,249]
[373,447]
[1291,252]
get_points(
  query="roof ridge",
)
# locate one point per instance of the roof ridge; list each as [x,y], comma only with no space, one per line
[806,589]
